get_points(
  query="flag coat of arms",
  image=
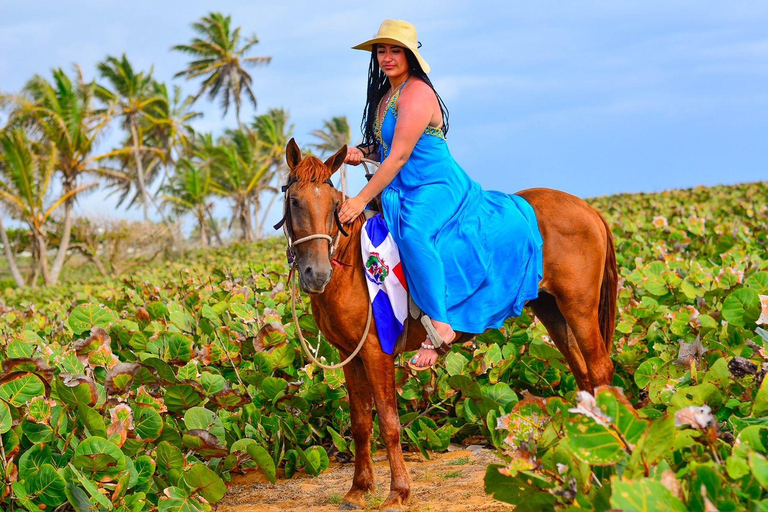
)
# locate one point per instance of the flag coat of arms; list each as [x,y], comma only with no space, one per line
[387,288]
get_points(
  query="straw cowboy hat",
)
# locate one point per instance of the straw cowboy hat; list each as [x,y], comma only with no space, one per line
[400,33]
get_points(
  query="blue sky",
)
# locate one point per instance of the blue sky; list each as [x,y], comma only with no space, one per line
[591,97]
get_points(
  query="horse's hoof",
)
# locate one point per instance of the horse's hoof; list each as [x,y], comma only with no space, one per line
[348,505]
[395,502]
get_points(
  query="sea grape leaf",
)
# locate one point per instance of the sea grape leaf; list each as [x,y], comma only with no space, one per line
[18,388]
[48,485]
[742,307]
[263,459]
[93,421]
[148,424]
[526,491]
[76,389]
[644,495]
[86,316]
[181,397]
[6,420]
[201,479]
[169,458]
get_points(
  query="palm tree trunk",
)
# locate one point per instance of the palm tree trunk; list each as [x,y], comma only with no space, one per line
[215,228]
[61,254]
[203,233]
[40,255]
[266,212]
[251,220]
[17,278]
[43,248]
[244,219]
[139,169]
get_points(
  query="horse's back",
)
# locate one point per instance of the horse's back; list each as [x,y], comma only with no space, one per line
[575,236]
[564,214]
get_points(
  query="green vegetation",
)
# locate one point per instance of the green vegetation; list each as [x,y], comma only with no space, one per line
[132,392]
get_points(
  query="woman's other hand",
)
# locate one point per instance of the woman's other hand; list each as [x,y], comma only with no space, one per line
[354,156]
[351,209]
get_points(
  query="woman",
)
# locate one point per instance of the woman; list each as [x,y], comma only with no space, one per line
[472,258]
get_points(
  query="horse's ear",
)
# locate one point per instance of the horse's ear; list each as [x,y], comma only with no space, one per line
[334,162]
[292,154]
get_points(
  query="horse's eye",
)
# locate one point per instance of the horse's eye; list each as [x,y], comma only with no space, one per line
[295,203]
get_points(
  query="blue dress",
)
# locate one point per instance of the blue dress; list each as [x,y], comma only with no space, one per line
[471,257]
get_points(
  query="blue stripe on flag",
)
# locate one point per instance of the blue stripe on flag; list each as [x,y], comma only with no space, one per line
[376,229]
[386,323]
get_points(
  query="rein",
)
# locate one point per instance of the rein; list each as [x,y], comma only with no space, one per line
[333,242]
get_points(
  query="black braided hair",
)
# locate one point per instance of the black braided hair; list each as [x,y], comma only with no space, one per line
[378,85]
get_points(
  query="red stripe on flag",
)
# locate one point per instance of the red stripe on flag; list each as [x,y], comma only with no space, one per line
[398,270]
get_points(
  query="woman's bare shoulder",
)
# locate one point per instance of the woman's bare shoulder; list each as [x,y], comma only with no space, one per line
[417,92]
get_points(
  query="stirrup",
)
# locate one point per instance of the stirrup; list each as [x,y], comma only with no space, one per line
[440,345]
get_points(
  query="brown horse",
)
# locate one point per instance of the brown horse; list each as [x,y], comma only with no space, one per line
[576,302]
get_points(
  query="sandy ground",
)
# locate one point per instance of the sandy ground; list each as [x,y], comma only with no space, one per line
[451,481]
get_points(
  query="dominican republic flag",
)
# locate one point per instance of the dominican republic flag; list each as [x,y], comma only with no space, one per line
[386,282]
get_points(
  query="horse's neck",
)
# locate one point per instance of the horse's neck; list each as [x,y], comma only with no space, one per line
[342,307]
[348,252]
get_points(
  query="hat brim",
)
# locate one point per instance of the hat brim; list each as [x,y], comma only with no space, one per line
[368,46]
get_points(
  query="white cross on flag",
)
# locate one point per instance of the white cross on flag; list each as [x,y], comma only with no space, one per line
[387,288]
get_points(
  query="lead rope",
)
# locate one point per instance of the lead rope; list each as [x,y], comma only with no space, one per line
[304,343]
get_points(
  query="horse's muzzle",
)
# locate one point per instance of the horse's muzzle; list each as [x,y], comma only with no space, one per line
[314,281]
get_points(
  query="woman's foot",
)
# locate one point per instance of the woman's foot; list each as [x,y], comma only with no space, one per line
[426,357]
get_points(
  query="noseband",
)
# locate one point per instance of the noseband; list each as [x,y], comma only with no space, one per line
[287,224]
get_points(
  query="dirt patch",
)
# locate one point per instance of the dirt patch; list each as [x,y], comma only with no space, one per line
[451,481]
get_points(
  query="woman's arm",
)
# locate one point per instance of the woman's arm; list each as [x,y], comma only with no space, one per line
[415,109]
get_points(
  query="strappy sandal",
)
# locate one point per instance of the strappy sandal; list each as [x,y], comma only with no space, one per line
[441,351]
[441,346]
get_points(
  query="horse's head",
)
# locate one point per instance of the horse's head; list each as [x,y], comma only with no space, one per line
[310,216]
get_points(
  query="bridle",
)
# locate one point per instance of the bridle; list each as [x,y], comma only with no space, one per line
[287,224]
[333,242]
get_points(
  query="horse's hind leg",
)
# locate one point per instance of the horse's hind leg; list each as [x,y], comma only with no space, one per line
[360,408]
[581,314]
[546,310]
[381,369]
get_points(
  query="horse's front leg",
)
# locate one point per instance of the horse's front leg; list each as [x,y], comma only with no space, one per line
[381,369]
[360,408]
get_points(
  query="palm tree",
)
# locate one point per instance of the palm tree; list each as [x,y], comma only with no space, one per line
[334,134]
[220,58]
[189,190]
[273,132]
[239,169]
[168,123]
[26,171]
[62,111]
[131,97]
[165,128]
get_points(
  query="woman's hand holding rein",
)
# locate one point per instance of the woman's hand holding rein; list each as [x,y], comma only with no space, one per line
[354,156]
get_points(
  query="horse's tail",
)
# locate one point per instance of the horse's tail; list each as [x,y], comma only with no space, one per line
[608,290]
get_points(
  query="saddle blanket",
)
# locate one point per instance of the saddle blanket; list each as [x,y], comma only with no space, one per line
[387,288]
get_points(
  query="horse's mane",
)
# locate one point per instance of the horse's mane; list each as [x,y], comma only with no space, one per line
[310,170]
